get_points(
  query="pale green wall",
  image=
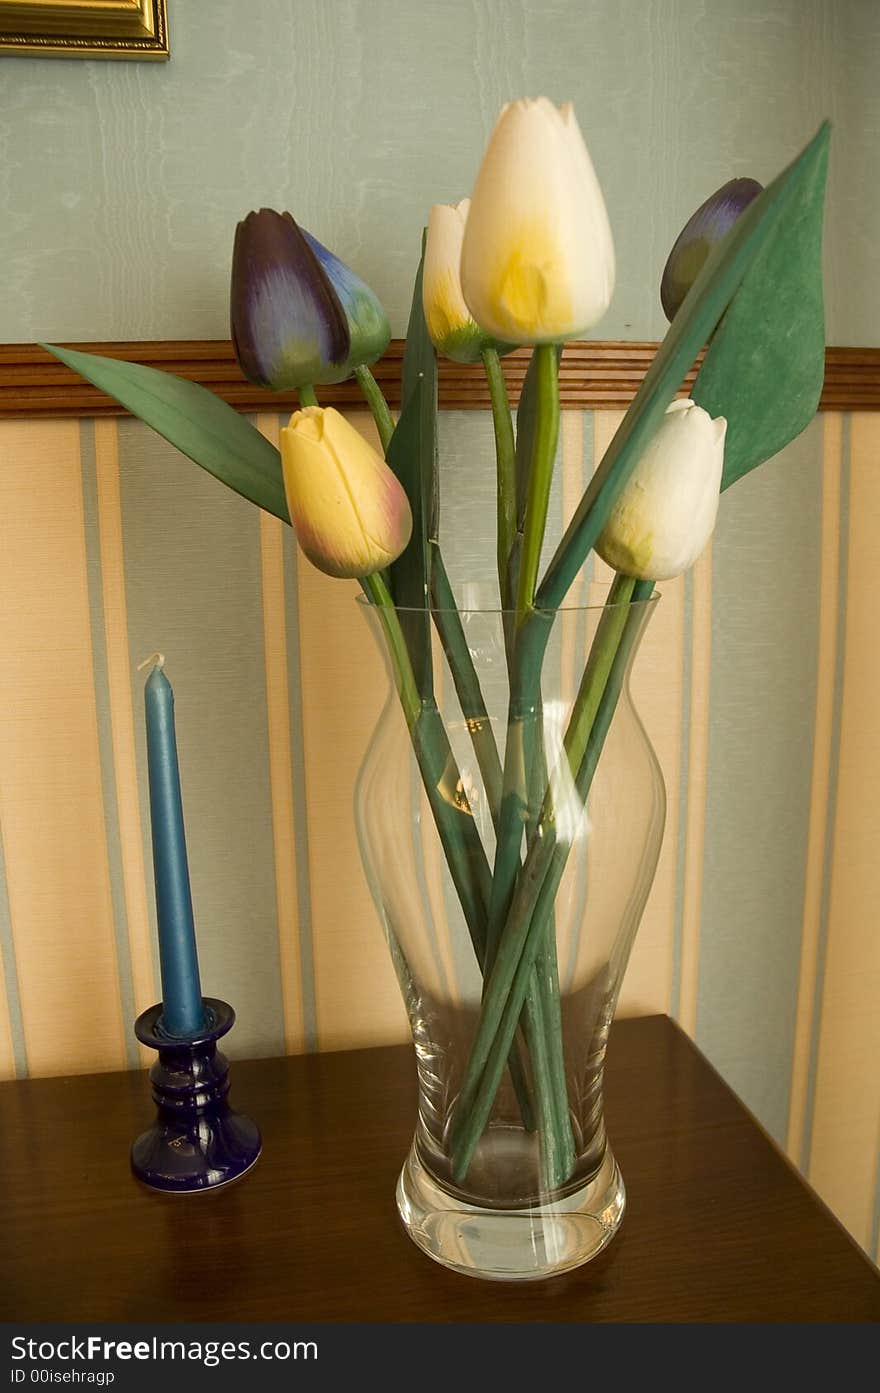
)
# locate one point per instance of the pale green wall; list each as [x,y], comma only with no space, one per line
[121,183]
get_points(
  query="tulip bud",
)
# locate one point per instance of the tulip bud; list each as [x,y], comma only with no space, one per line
[288,327]
[368,326]
[537,262]
[453,330]
[665,515]
[350,514]
[712,221]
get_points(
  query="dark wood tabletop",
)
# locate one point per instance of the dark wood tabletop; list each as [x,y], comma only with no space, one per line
[718,1226]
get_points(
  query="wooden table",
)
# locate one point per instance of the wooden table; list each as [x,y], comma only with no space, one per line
[718,1226]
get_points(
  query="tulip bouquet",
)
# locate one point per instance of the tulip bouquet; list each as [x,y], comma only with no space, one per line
[529,260]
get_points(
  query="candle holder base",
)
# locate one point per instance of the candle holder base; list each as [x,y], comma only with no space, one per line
[197,1142]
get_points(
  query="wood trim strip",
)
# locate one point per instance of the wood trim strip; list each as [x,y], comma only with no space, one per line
[594,376]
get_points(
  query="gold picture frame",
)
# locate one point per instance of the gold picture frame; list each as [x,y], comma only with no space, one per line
[134,29]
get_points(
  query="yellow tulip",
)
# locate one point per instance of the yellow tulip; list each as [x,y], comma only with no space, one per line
[350,514]
[537,261]
[666,512]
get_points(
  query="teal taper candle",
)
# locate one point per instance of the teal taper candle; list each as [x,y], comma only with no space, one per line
[182,1011]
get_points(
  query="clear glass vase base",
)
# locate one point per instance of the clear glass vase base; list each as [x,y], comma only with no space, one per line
[511,1245]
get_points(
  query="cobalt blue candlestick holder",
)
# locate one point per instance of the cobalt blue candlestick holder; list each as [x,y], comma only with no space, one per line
[197,1141]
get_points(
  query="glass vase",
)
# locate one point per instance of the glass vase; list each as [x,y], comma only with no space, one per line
[528,1187]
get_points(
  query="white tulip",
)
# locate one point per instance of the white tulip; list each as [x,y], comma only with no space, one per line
[537,263]
[665,514]
[453,329]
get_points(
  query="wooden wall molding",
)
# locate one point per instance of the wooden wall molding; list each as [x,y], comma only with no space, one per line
[598,376]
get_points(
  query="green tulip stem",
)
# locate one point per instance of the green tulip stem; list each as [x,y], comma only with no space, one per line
[526,652]
[375,400]
[542,872]
[540,1011]
[560,1162]
[307,395]
[453,817]
[525,659]
[447,622]
[378,594]
[541,1008]
[525,678]
[505,457]
[455,823]
[540,476]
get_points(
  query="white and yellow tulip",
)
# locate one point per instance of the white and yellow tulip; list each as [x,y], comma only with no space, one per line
[665,515]
[537,261]
[453,330]
[350,514]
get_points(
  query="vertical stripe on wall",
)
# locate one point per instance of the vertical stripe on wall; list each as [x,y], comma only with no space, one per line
[51,803]
[133,1052]
[305,918]
[193,591]
[875,1221]
[686,950]
[763,695]
[343,683]
[844,1159]
[281,764]
[137,918]
[826,742]
[13,1060]
[658,695]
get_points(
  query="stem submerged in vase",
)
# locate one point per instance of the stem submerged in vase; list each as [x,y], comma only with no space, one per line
[532,905]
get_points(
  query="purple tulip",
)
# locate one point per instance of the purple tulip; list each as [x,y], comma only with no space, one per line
[708,225]
[288,326]
[368,324]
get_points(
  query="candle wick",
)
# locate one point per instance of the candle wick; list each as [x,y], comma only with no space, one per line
[155,659]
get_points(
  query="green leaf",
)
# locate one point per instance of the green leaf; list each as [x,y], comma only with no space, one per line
[203,427]
[420,365]
[766,363]
[525,434]
[412,455]
[706,301]
[525,437]
[409,573]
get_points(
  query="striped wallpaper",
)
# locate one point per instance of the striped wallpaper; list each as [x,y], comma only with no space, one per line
[758,681]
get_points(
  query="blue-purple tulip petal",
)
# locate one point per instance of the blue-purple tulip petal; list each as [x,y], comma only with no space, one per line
[708,225]
[367,321]
[288,326]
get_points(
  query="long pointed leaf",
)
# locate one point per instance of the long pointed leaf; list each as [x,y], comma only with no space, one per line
[412,455]
[525,434]
[409,574]
[765,365]
[203,427]
[703,308]
[420,365]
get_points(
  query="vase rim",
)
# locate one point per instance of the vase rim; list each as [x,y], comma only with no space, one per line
[471,603]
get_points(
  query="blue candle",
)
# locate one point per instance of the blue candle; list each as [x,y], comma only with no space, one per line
[182,1010]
